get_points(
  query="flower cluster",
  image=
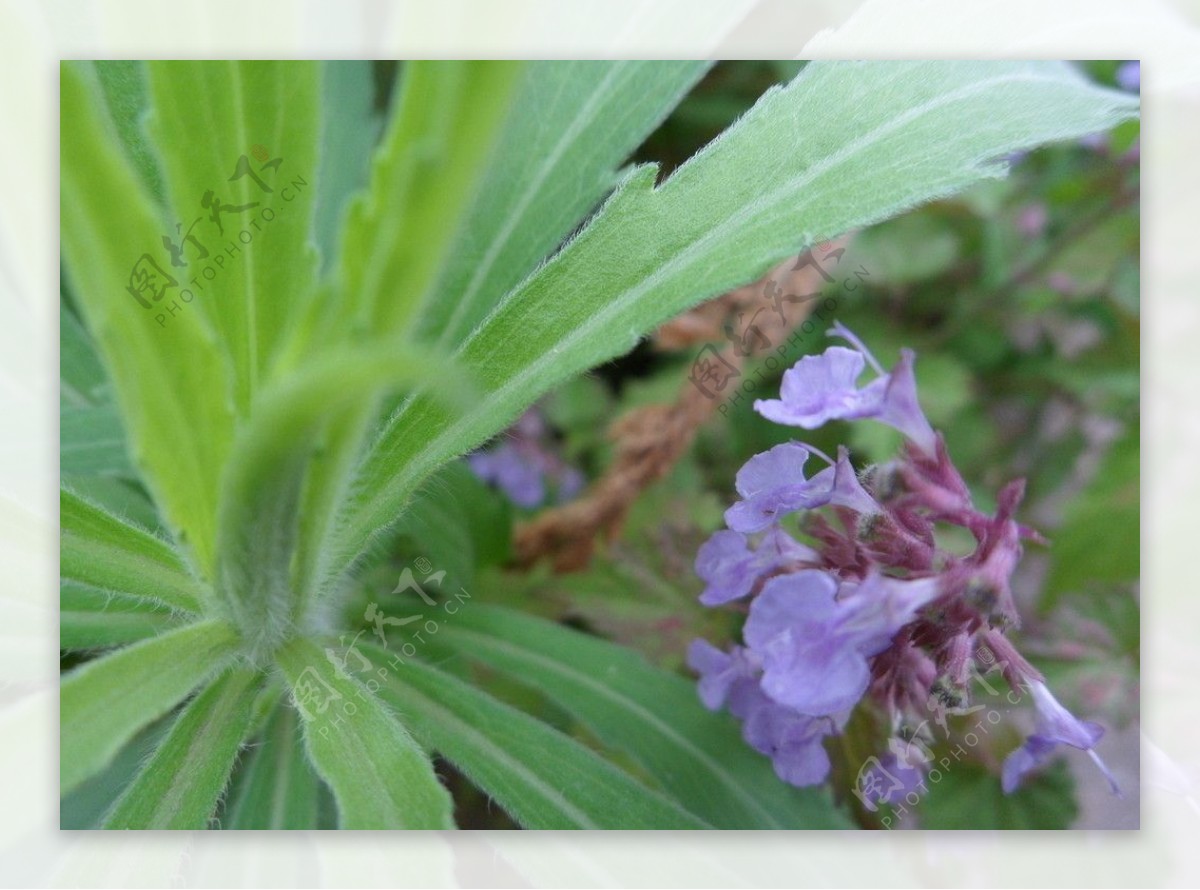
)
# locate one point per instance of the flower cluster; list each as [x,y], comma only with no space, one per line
[521,464]
[877,609]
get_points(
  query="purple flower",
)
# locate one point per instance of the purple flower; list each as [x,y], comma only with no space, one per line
[731,568]
[520,465]
[814,645]
[719,671]
[1055,726]
[825,387]
[772,485]
[1129,76]
[794,742]
[507,467]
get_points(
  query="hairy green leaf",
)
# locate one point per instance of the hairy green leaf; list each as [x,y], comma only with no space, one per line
[86,806]
[843,145]
[543,778]
[430,163]
[95,619]
[104,551]
[279,789]
[259,521]
[115,495]
[179,786]
[105,702]
[380,777]
[124,84]
[92,441]
[171,384]
[349,129]
[553,164]
[82,378]
[238,145]
[654,716]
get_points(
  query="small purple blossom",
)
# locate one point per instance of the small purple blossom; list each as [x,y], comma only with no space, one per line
[1129,76]
[825,387]
[793,741]
[1055,726]
[719,671]
[522,463]
[814,644]
[510,470]
[773,485]
[731,569]
[878,610]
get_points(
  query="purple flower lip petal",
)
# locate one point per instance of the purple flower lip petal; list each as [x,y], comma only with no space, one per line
[719,671]
[820,388]
[792,741]
[731,569]
[1055,726]
[824,387]
[810,662]
[772,485]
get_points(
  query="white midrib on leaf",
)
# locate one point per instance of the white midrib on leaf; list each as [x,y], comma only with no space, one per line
[514,216]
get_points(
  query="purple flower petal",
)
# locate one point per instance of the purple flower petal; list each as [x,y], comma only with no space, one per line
[820,388]
[824,387]
[1055,726]
[718,671]
[772,485]
[731,568]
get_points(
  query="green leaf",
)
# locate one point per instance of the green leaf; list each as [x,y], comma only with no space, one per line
[541,777]
[104,551]
[82,378]
[458,523]
[86,806]
[656,717]
[95,619]
[117,496]
[106,701]
[1100,541]
[349,129]
[970,797]
[380,777]
[279,789]
[844,145]
[576,121]
[180,785]
[215,124]
[171,384]
[92,441]
[430,163]
[259,521]
[124,84]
